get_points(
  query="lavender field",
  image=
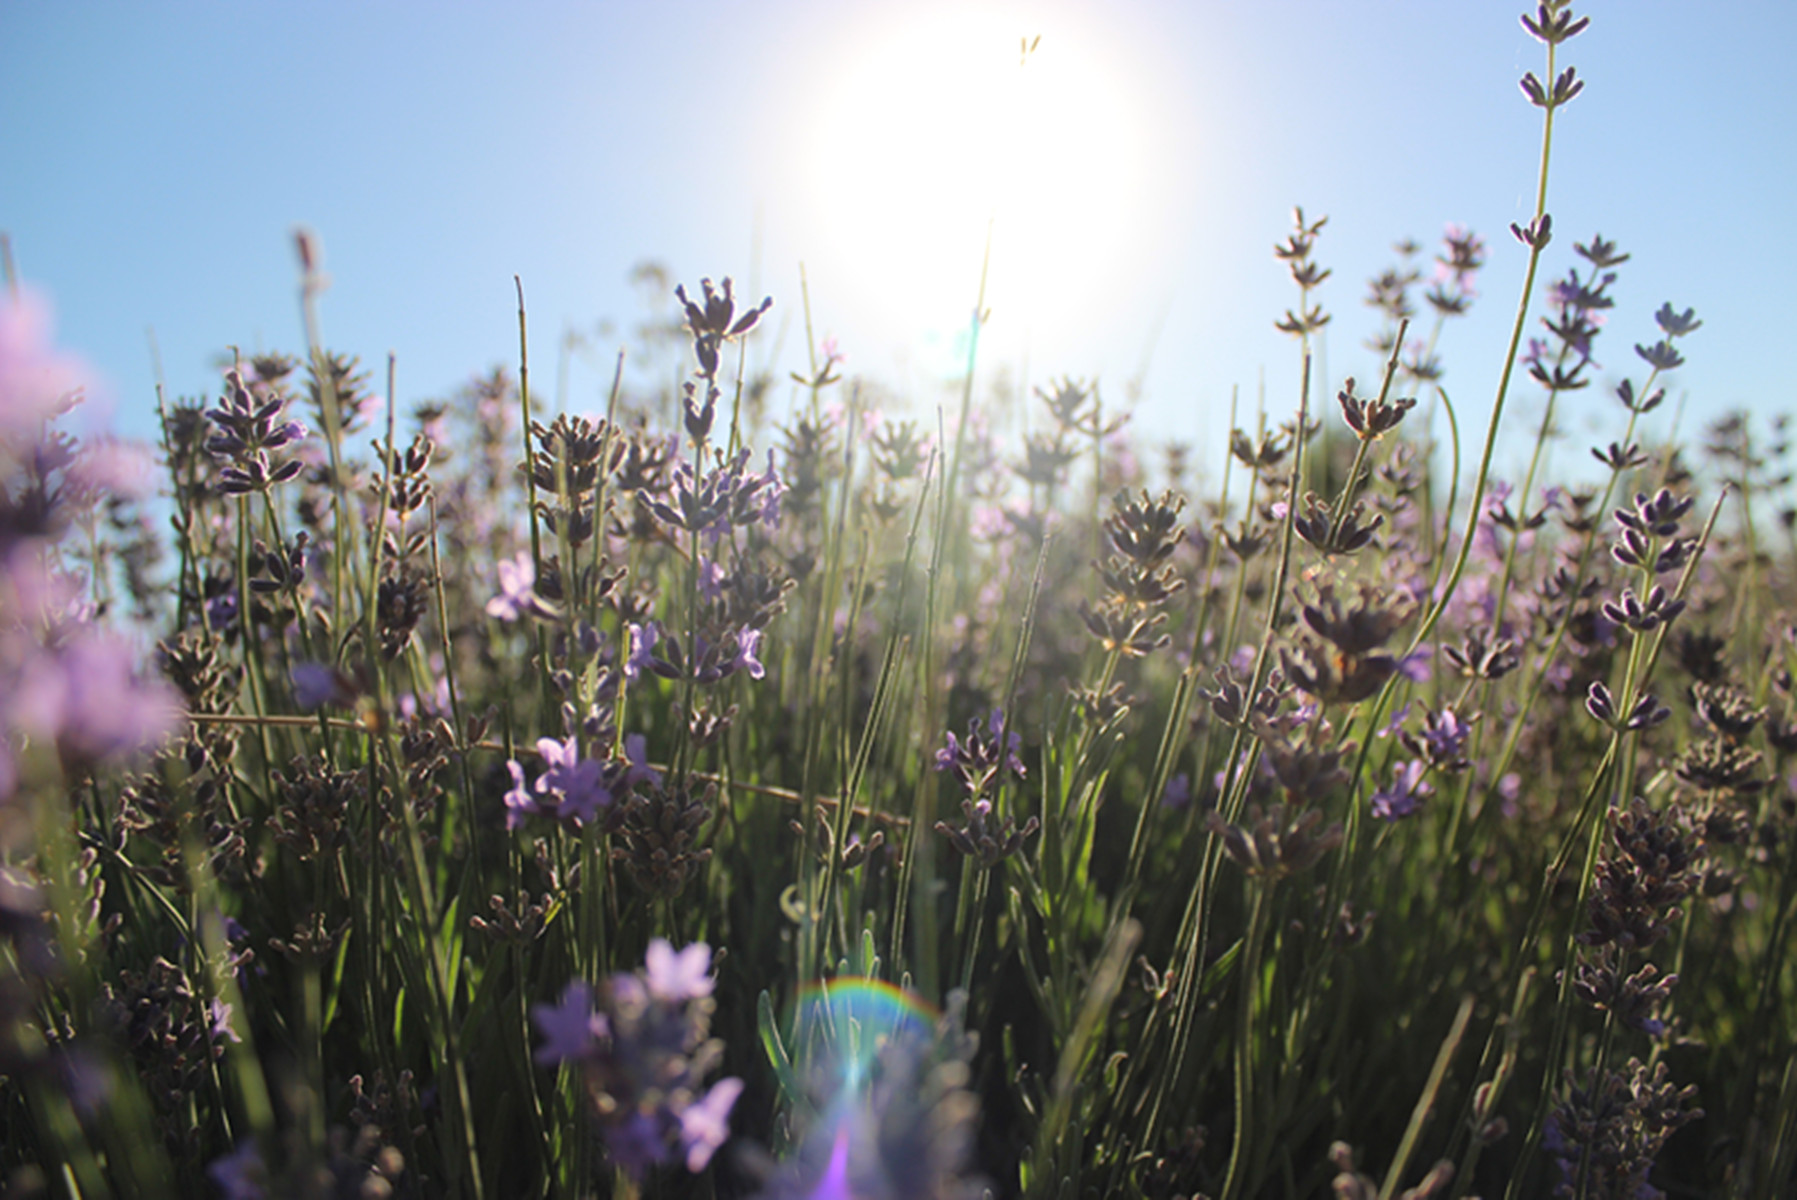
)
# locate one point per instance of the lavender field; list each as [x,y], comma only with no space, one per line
[775,786]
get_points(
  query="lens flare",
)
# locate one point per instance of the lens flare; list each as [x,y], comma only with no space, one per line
[860,1016]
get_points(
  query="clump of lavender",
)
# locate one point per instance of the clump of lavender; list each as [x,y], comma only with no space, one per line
[175,1035]
[1606,1134]
[641,1043]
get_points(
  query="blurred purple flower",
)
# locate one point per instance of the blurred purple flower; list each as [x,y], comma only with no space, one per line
[636,1144]
[1179,792]
[676,976]
[517,596]
[747,642]
[705,1126]
[570,1028]
[88,698]
[772,488]
[85,1078]
[1404,795]
[240,1175]
[579,781]
[316,685]
[218,1015]
[642,640]
[36,382]
[519,803]
[643,1042]
[711,578]
[1418,666]
[110,467]
[636,753]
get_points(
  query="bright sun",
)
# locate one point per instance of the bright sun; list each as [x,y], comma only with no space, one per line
[963,120]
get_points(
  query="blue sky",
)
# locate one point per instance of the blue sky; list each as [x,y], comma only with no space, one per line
[155,158]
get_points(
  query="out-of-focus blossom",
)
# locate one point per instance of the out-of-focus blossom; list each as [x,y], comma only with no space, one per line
[578,781]
[673,975]
[87,697]
[36,382]
[1404,794]
[517,596]
[316,685]
[569,1028]
[705,1126]
[240,1175]
[519,803]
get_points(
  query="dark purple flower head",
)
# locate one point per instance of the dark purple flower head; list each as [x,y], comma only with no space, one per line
[978,760]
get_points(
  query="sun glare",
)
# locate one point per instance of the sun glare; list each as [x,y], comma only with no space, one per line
[933,132]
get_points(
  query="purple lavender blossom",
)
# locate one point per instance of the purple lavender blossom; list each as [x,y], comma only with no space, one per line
[1404,795]
[636,1144]
[636,753]
[1443,739]
[88,698]
[676,976]
[748,641]
[107,466]
[317,684]
[978,760]
[218,1017]
[642,640]
[517,596]
[519,803]
[705,1126]
[570,1029]
[772,488]
[36,382]
[240,1175]
[1178,795]
[580,782]
[711,579]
